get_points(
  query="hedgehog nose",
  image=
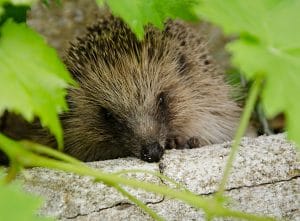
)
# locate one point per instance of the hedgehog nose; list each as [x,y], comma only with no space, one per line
[152,152]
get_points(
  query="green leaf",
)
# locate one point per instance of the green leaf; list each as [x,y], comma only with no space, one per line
[1,6]
[15,2]
[18,205]
[17,13]
[3,1]
[19,2]
[138,13]
[32,77]
[268,46]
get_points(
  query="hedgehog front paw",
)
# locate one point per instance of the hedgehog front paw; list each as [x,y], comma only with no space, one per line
[178,142]
[193,142]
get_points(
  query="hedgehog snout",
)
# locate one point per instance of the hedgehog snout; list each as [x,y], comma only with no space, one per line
[152,152]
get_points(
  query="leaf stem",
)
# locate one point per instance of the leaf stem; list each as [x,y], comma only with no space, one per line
[250,105]
[157,174]
[38,148]
[12,171]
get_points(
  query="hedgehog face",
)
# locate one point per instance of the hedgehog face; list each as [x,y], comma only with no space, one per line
[96,130]
[140,131]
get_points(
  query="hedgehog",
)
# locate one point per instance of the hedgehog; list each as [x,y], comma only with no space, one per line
[139,97]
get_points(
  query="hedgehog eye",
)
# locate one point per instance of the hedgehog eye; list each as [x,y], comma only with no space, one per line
[106,113]
[161,100]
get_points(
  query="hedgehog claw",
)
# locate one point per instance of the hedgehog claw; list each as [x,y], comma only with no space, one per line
[178,142]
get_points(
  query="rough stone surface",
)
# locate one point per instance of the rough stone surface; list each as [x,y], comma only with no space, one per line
[265,180]
[261,160]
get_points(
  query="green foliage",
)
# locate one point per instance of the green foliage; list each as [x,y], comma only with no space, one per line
[268,45]
[14,2]
[33,79]
[139,13]
[18,205]
[15,12]
[1,6]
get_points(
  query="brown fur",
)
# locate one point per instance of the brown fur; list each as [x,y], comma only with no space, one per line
[164,90]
